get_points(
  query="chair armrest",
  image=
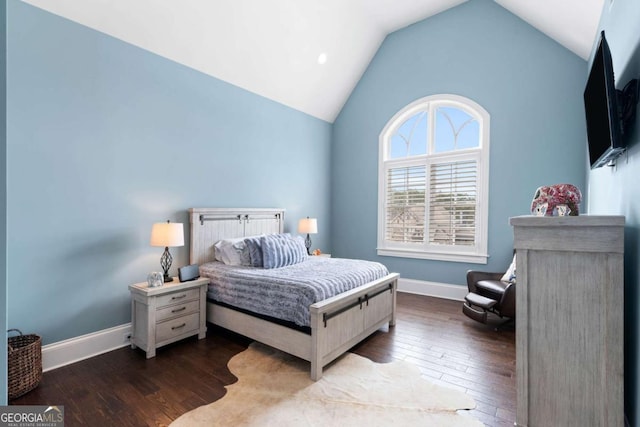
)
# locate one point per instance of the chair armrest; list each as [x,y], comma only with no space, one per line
[474,276]
[508,301]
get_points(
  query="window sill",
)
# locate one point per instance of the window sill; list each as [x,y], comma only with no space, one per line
[435,256]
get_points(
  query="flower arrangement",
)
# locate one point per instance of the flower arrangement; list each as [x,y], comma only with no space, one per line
[556,200]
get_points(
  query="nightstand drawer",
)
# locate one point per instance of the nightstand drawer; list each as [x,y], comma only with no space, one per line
[177,297]
[176,327]
[177,310]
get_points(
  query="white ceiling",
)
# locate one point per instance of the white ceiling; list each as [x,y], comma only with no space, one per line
[271,48]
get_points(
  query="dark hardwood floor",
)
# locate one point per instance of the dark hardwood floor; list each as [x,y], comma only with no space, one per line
[122,388]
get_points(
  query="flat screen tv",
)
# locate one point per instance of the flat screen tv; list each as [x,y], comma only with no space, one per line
[604,126]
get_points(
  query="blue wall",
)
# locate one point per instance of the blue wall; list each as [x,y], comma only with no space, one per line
[104,139]
[3,198]
[530,85]
[615,191]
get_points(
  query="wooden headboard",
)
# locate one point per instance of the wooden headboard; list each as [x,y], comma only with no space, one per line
[209,225]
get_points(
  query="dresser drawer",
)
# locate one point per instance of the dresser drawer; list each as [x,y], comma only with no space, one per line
[177,297]
[176,327]
[177,310]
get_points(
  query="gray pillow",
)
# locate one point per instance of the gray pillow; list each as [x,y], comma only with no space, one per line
[280,250]
[254,250]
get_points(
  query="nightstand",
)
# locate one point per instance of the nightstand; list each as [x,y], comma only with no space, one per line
[167,313]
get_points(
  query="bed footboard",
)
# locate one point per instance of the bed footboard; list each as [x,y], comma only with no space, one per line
[339,323]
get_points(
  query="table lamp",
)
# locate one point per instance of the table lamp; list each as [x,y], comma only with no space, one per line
[308,226]
[167,234]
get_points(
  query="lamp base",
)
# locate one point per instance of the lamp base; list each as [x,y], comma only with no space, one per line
[165,262]
[307,243]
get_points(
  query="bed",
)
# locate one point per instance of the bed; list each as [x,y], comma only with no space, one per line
[335,324]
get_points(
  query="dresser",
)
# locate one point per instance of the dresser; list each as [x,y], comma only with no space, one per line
[569,320]
[168,313]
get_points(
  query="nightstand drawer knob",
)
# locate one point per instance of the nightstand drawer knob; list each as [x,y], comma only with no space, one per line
[179,297]
[178,310]
[173,328]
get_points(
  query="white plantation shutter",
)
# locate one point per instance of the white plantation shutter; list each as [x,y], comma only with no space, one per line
[405,204]
[433,181]
[452,203]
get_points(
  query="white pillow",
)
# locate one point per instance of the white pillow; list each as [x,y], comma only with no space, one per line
[510,275]
[230,251]
[217,250]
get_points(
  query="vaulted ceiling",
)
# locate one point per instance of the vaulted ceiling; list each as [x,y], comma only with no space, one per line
[306,54]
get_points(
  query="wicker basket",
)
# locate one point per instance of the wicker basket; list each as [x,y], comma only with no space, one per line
[24,364]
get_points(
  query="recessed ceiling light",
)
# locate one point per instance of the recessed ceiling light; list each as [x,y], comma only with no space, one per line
[322,58]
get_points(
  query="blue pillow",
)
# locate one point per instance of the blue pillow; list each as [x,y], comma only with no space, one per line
[280,250]
[252,245]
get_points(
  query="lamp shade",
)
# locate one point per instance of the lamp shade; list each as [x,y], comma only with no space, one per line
[167,234]
[308,226]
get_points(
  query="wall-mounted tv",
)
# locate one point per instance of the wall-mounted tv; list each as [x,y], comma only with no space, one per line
[610,113]
[604,126]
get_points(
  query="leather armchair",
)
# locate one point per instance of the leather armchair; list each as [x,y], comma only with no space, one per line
[489,294]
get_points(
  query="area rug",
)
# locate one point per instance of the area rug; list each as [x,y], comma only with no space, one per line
[274,389]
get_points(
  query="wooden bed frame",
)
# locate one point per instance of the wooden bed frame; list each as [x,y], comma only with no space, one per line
[337,323]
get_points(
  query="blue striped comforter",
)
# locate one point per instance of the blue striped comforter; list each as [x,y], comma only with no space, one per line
[287,292]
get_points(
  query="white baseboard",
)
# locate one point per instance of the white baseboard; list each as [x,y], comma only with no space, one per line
[433,289]
[83,347]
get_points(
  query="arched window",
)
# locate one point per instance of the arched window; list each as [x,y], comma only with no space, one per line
[433,181]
